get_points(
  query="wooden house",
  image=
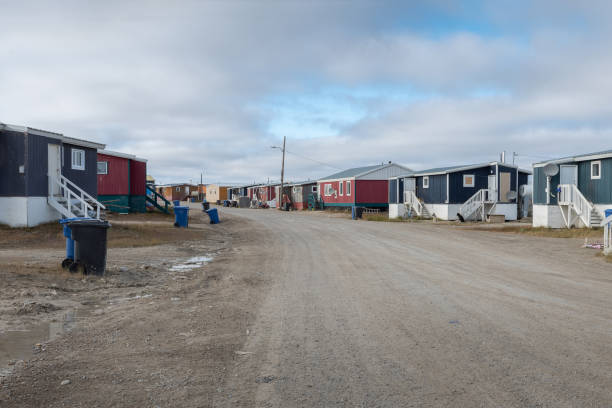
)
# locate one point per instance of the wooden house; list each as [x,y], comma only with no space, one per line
[360,186]
[121,181]
[45,176]
[473,191]
[576,193]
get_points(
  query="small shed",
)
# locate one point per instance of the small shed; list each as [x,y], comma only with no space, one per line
[121,181]
[360,186]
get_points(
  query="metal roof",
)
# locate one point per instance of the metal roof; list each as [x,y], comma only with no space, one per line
[46,133]
[581,157]
[453,169]
[360,171]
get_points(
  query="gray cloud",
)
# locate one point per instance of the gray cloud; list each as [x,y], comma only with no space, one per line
[183,84]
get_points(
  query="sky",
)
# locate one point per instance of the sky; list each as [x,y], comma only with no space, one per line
[207,87]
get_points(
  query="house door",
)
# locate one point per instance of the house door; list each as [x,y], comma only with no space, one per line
[409,185]
[54,168]
[568,174]
[492,186]
[504,186]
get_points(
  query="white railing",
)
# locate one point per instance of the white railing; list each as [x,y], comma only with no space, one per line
[413,201]
[71,192]
[607,235]
[477,201]
[570,195]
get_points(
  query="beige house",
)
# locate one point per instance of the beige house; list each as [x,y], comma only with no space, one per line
[216,192]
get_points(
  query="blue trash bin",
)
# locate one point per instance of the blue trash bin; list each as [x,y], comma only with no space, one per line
[353,213]
[607,213]
[176,203]
[213,215]
[181,216]
[69,241]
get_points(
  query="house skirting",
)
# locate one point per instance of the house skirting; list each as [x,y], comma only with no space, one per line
[349,205]
[138,203]
[549,216]
[448,212]
[26,211]
[115,203]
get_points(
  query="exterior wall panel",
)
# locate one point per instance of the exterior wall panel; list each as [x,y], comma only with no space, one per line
[116,182]
[372,192]
[436,193]
[138,178]
[12,155]
[86,179]
[337,199]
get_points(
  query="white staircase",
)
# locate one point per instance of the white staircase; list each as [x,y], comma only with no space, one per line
[413,204]
[574,206]
[482,203]
[72,201]
[607,223]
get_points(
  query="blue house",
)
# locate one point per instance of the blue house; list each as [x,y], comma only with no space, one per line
[45,176]
[465,192]
[576,192]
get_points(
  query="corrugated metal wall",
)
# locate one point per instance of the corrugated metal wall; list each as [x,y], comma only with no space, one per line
[86,179]
[436,193]
[138,178]
[116,182]
[598,191]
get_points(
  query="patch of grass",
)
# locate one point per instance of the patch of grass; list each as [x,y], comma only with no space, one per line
[548,232]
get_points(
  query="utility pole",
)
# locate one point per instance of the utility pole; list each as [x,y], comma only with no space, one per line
[280,199]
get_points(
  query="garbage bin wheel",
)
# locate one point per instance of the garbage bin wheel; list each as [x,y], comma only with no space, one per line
[66,263]
[77,267]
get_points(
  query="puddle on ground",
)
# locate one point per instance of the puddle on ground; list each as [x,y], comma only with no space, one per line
[192,263]
[23,344]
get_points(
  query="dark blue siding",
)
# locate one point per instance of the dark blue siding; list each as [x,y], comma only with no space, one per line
[513,175]
[12,155]
[598,191]
[539,186]
[393,191]
[436,193]
[86,179]
[37,184]
[458,193]
[523,178]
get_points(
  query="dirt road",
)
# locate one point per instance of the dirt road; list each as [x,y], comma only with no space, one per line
[306,310]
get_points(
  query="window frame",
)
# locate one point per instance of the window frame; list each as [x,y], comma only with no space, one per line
[473,184]
[105,167]
[315,189]
[341,188]
[79,152]
[178,189]
[348,188]
[425,179]
[326,189]
[598,163]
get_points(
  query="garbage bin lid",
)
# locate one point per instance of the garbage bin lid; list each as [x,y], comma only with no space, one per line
[89,222]
[181,207]
[67,220]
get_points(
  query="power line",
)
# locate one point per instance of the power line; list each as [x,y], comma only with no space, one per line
[313,160]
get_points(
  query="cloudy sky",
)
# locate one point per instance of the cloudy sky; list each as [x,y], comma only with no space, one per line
[210,86]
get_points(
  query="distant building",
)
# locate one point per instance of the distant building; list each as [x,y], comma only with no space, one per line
[360,186]
[177,191]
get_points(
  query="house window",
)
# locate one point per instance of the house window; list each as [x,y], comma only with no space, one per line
[426,182]
[468,180]
[341,187]
[328,189]
[103,167]
[596,169]
[178,189]
[314,189]
[348,188]
[78,159]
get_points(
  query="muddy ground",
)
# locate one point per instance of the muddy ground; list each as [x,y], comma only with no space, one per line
[309,310]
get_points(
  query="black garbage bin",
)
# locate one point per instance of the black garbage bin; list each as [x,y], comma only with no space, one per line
[90,238]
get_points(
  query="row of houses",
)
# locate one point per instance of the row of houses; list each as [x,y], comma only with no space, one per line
[567,192]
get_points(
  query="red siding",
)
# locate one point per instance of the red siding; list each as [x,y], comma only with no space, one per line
[138,177]
[116,182]
[337,198]
[372,191]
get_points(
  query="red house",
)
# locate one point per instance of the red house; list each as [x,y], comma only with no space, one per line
[360,186]
[121,181]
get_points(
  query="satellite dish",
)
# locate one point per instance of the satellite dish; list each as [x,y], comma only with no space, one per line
[510,195]
[551,169]
[525,189]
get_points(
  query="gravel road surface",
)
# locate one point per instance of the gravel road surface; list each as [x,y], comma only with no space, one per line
[311,310]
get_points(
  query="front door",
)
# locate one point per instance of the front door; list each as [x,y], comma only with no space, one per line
[409,185]
[568,174]
[54,168]
[492,186]
[504,186]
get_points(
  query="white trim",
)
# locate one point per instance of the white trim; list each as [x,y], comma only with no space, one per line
[327,187]
[341,188]
[464,168]
[447,188]
[425,178]
[105,171]
[598,163]
[59,136]
[74,164]
[348,188]
[589,157]
[116,154]
[469,185]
